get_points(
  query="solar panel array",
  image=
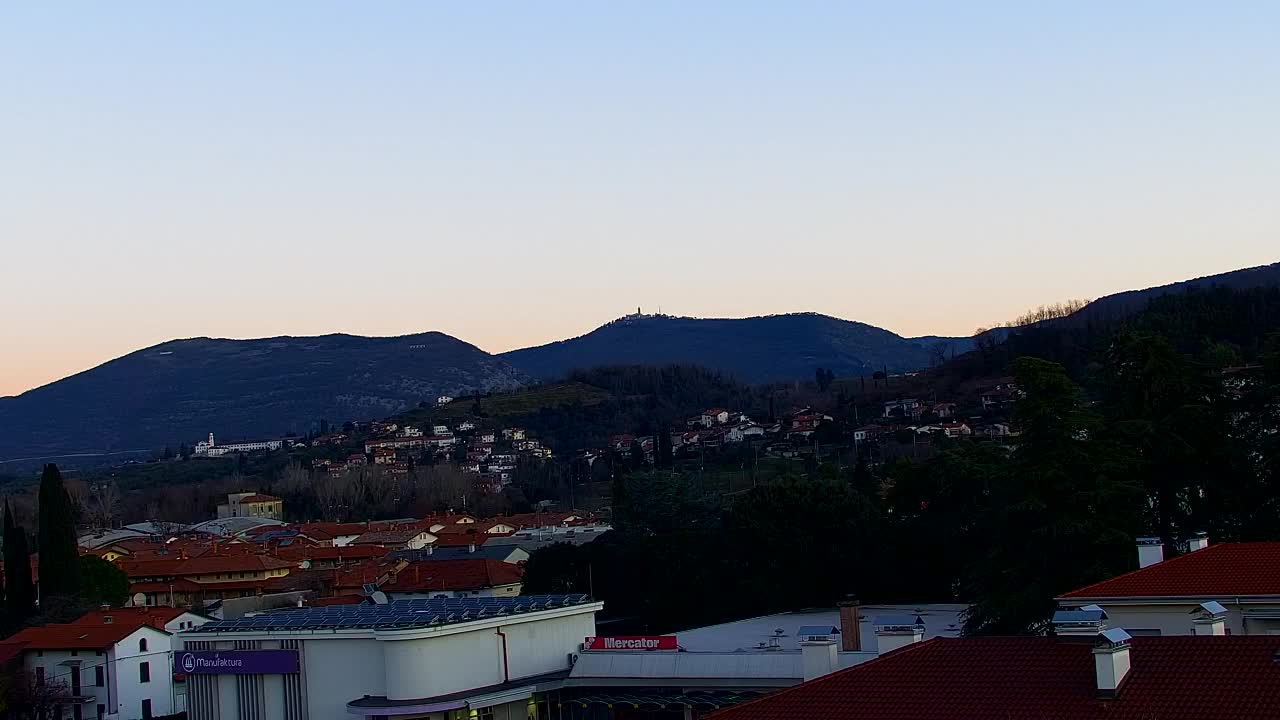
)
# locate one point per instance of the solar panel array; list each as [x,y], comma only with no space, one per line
[398,615]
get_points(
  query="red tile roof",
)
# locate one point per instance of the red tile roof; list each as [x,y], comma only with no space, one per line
[1223,570]
[1039,678]
[259,498]
[461,574]
[154,616]
[204,565]
[76,636]
[388,537]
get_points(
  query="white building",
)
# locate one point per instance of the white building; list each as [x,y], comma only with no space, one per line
[443,400]
[1167,597]
[439,658]
[207,448]
[115,664]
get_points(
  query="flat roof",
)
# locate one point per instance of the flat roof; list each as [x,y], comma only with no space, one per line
[398,615]
[940,620]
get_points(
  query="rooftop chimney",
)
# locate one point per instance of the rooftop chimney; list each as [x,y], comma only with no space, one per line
[1210,619]
[819,658]
[897,631]
[850,633]
[1111,661]
[1199,541]
[1150,551]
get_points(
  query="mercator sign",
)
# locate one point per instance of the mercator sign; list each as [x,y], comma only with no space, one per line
[631,642]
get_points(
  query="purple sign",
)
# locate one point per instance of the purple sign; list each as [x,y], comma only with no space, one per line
[237,662]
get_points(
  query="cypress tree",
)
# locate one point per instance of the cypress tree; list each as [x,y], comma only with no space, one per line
[19,595]
[59,560]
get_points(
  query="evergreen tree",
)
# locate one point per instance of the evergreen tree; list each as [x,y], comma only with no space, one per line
[59,560]
[19,597]
[663,459]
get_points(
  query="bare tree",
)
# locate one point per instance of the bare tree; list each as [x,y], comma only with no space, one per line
[104,505]
[26,698]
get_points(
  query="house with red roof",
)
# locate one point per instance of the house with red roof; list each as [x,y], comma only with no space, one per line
[216,575]
[1163,597]
[465,577]
[250,504]
[116,665]
[1105,677]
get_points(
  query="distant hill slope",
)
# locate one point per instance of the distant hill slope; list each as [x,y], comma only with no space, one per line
[181,390]
[756,349]
[1124,304]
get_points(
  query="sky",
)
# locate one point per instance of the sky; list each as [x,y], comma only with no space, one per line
[516,173]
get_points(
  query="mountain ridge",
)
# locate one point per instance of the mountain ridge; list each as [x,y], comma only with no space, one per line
[179,390]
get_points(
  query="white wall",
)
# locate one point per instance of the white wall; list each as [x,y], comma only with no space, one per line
[128,660]
[55,672]
[339,671]
[544,646]
[440,665]
[1176,619]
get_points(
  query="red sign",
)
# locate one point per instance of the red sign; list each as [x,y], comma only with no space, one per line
[631,642]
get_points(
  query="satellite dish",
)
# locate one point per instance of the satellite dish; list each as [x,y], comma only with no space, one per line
[139,599]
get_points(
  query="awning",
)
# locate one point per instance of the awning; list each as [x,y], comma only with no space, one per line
[698,700]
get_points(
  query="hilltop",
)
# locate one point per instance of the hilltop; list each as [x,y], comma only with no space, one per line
[176,392]
[752,350]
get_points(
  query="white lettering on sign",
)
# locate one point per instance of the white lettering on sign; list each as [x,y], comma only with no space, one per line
[611,643]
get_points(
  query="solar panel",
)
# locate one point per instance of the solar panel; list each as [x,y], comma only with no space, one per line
[415,612]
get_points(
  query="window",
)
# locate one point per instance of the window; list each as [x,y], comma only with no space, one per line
[144,672]
[146,709]
[99,677]
[102,712]
[142,645]
[39,676]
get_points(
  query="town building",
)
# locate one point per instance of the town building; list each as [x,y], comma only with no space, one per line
[207,448]
[462,577]
[110,665]
[406,538]
[1163,597]
[182,580]
[1108,675]
[252,505]
[493,658]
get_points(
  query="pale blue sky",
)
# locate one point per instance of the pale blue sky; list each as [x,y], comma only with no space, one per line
[513,173]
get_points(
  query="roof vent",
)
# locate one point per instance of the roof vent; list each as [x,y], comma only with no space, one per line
[1111,661]
[1150,551]
[1210,619]
[1085,622]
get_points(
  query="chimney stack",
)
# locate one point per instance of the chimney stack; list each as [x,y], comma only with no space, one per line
[819,658]
[1210,619]
[1150,551]
[1199,541]
[1111,661]
[850,632]
[897,631]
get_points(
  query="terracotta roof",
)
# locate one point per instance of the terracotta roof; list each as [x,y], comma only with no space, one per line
[1223,570]
[388,537]
[465,539]
[204,565]
[462,574]
[1045,678]
[77,637]
[153,616]
[259,498]
[327,552]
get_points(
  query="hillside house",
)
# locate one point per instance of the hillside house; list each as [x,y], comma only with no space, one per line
[255,505]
